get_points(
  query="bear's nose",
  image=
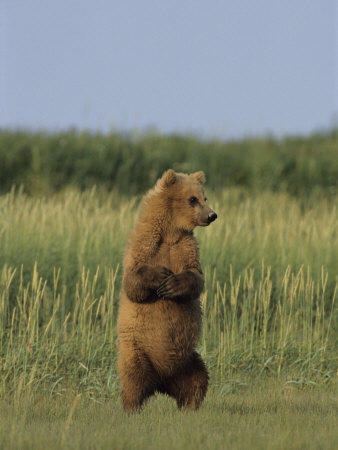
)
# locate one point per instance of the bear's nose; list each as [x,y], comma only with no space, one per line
[211,217]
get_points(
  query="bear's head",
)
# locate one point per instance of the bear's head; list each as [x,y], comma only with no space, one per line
[185,199]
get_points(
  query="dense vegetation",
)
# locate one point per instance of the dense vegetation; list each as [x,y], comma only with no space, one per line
[131,164]
[68,203]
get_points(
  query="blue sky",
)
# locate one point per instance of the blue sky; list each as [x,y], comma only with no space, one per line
[215,68]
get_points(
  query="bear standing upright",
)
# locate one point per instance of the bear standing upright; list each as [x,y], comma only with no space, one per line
[160,317]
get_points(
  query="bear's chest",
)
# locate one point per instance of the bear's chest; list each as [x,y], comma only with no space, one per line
[173,256]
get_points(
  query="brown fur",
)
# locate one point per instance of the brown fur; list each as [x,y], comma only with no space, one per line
[160,316]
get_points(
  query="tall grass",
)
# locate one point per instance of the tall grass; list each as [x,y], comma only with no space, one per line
[269,302]
[270,299]
[44,348]
[72,230]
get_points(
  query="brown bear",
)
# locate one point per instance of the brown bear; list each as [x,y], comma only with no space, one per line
[160,315]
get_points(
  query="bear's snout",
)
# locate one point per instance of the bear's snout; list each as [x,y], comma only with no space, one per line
[212,216]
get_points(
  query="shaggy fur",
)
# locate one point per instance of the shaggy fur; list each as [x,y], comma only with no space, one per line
[160,316]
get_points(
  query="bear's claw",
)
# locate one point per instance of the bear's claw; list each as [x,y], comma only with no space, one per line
[170,287]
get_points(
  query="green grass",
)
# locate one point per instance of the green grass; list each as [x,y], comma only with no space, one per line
[269,301]
[256,416]
[72,230]
[269,336]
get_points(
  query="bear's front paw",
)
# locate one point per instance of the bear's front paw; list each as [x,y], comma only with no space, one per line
[161,274]
[174,286]
[153,276]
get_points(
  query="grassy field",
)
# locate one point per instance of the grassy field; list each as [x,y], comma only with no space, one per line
[269,415]
[270,322]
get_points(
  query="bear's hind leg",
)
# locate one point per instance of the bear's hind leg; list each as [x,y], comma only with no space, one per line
[190,385]
[137,380]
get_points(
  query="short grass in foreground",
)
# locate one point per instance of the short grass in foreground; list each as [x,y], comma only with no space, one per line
[263,415]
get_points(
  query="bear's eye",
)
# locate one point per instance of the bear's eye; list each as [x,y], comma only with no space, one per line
[193,201]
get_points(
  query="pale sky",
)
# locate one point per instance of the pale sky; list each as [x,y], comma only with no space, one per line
[220,68]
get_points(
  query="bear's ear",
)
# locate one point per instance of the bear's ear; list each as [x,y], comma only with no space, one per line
[199,177]
[168,178]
